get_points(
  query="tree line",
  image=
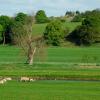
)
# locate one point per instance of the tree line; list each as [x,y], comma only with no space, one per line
[85,34]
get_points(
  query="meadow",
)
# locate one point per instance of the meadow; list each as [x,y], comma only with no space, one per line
[38,29]
[50,90]
[52,55]
[60,63]
[62,73]
[71,62]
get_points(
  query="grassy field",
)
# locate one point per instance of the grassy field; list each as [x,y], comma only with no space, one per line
[53,55]
[50,90]
[51,70]
[58,63]
[40,28]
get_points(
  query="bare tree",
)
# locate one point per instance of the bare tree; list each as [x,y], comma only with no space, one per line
[23,36]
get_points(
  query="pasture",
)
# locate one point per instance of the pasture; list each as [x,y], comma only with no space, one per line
[53,55]
[50,90]
[61,73]
[38,29]
[59,63]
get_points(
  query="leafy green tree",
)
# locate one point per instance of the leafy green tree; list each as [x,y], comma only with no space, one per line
[69,14]
[21,17]
[53,33]
[89,32]
[5,21]
[41,17]
[1,32]
[77,12]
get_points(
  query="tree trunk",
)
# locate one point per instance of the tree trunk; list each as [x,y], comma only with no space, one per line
[31,55]
[3,39]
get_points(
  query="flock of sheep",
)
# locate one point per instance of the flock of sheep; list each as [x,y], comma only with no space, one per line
[3,80]
[23,79]
[27,79]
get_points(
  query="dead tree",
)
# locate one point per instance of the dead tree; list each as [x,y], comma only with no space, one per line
[25,39]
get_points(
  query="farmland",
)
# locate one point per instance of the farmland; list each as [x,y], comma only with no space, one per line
[51,53]
[11,54]
[50,90]
[66,72]
[38,29]
[57,63]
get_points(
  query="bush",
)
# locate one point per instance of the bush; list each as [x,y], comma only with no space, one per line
[53,33]
[89,32]
[41,17]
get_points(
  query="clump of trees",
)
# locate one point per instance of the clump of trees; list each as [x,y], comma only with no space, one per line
[41,17]
[18,31]
[5,25]
[89,32]
[69,14]
[54,34]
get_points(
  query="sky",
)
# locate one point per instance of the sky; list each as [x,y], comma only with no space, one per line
[51,7]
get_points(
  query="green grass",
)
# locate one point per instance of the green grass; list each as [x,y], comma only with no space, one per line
[53,55]
[74,55]
[38,29]
[66,73]
[50,90]
[71,25]
[59,63]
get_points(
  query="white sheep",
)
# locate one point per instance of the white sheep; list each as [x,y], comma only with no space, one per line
[25,79]
[4,80]
[32,80]
[1,82]
[8,78]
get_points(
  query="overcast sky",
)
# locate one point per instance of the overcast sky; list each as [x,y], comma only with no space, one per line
[52,7]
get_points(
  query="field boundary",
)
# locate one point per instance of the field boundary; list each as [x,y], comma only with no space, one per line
[53,63]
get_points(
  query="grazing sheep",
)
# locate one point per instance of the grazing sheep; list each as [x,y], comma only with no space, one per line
[8,78]
[32,80]
[1,82]
[4,80]
[25,79]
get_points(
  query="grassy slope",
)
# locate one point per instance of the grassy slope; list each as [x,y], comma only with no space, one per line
[50,90]
[40,28]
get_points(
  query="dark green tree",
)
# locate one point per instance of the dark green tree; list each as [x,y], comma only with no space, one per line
[77,12]
[89,32]
[41,17]
[53,33]
[21,17]
[5,21]
[1,32]
[69,14]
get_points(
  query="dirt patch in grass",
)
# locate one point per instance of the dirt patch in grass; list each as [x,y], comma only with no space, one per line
[89,66]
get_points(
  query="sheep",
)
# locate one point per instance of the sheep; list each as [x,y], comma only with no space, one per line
[1,82]
[25,79]
[4,80]
[32,80]
[8,78]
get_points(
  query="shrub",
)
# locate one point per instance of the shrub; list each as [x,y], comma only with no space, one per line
[41,17]
[53,33]
[89,32]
